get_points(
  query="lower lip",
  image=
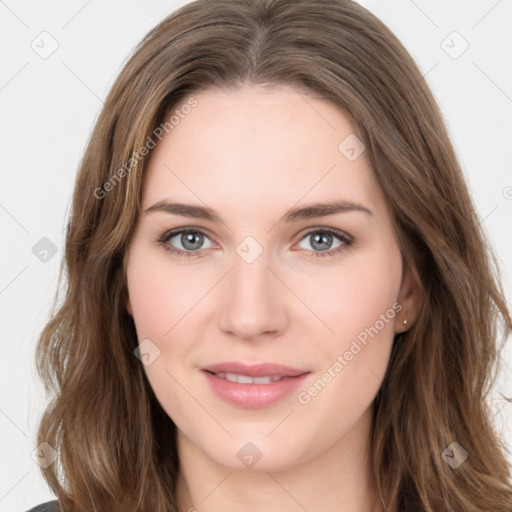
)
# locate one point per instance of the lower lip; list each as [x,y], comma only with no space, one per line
[254,396]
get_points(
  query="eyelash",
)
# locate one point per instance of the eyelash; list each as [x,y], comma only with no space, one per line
[347,242]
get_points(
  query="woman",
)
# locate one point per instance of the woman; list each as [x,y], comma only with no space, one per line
[279,296]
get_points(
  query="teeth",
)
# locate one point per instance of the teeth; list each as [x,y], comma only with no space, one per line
[247,379]
[241,379]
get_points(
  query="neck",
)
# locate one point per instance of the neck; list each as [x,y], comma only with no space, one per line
[334,481]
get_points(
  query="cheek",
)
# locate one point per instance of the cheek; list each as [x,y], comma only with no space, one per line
[160,296]
[356,297]
[162,301]
[358,307]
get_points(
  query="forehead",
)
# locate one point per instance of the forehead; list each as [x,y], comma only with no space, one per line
[258,147]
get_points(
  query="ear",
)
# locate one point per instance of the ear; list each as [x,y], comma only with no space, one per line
[410,297]
[125,300]
[128,306]
[126,294]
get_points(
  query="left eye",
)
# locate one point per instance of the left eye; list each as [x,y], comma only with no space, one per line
[322,241]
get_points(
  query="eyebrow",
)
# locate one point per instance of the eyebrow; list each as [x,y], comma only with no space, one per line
[310,211]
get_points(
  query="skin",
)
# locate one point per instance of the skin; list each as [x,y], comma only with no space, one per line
[251,154]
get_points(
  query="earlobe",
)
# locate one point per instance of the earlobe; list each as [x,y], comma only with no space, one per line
[402,327]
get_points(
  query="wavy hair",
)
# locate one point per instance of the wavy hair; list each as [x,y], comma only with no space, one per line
[116,446]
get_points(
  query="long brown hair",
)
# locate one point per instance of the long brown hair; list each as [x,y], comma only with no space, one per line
[116,445]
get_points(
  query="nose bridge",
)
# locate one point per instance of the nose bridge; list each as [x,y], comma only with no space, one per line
[251,303]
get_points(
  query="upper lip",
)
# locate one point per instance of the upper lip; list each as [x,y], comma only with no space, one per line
[254,370]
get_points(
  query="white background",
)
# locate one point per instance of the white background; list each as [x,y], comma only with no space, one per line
[48,108]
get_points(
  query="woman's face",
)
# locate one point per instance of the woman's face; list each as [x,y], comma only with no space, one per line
[290,260]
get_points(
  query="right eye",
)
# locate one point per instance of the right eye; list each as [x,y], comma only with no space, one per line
[188,241]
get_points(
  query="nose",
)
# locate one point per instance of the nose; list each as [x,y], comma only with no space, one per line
[253,301]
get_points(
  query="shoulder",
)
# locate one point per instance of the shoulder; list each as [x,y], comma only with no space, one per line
[50,506]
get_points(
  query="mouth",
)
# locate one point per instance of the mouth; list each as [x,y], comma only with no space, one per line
[253,386]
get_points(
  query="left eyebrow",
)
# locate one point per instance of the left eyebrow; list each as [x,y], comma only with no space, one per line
[316,210]
[310,211]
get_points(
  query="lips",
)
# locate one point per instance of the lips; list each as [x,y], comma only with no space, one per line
[253,386]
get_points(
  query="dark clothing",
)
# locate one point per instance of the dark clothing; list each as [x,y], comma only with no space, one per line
[50,506]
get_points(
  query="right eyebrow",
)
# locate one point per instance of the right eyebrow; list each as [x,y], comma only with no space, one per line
[185,210]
